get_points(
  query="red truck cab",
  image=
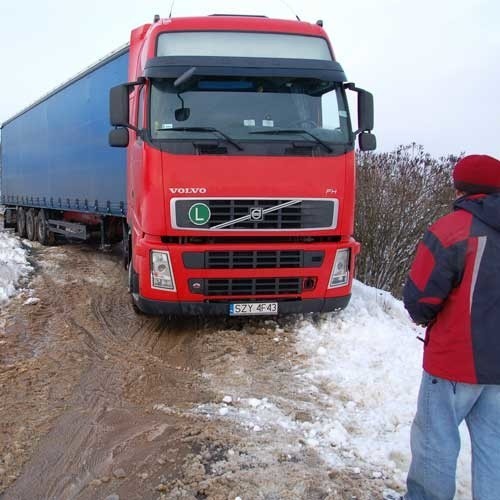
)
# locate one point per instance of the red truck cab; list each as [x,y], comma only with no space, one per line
[240,167]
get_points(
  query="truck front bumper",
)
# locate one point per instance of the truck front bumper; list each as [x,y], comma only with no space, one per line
[185,300]
[211,308]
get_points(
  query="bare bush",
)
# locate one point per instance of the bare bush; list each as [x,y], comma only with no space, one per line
[399,194]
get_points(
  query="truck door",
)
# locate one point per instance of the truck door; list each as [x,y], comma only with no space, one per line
[135,163]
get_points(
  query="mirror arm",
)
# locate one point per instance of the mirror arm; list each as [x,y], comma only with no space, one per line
[131,127]
[359,131]
[185,79]
[352,86]
[140,81]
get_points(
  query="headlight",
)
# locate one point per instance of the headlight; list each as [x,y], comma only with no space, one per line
[340,271]
[161,271]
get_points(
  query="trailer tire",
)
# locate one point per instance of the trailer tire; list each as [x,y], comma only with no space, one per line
[31,224]
[21,222]
[44,235]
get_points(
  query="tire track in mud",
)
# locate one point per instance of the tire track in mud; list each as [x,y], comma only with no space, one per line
[100,430]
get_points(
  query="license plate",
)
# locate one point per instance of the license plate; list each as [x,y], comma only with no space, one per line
[253,308]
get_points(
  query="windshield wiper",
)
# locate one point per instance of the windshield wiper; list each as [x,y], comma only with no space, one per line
[284,131]
[203,129]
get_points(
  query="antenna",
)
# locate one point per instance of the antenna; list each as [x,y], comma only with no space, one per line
[171,9]
[287,5]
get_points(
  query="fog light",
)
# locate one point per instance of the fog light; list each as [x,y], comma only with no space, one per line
[340,271]
[308,284]
[161,271]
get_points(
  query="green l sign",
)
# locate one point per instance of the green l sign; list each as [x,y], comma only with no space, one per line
[199,214]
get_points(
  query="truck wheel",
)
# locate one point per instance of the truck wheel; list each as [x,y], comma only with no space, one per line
[135,307]
[21,222]
[31,224]
[44,235]
[126,245]
[133,288]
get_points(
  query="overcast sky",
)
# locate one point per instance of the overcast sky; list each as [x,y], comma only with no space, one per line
[432,65]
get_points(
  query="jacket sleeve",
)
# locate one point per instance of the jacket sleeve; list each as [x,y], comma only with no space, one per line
[435,271]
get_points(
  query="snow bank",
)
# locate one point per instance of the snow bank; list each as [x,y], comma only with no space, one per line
[364,365]
[356,379]
[13,265]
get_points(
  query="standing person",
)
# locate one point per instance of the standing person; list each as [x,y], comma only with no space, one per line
[453,289]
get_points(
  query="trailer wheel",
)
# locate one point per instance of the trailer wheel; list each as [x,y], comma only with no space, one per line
[31,224]
[44,235]
[21,222]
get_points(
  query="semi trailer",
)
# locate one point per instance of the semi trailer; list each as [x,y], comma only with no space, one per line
[218,149]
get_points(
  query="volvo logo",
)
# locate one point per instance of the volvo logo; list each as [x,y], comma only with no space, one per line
[188,190]
[256,214]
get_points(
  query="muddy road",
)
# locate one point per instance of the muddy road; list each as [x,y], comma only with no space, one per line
[97,402]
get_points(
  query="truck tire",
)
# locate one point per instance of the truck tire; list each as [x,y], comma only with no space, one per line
[31,224]
[126,245]
[21,222]
[133,287]
[44,235]
[135,307]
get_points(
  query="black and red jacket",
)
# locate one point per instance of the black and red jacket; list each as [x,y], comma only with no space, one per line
[454,289]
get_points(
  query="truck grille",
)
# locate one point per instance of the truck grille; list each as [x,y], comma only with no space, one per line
[259,259]
[255,214]
[255,260]
[256,286]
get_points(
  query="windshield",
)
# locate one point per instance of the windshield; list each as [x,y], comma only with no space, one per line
[251,109]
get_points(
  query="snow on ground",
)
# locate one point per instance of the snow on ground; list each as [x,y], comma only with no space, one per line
[365,366]
[13,265]
[357,374]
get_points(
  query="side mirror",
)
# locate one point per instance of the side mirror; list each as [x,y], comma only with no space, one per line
[118,138]
[119,106]
[365,110]
[367,141]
